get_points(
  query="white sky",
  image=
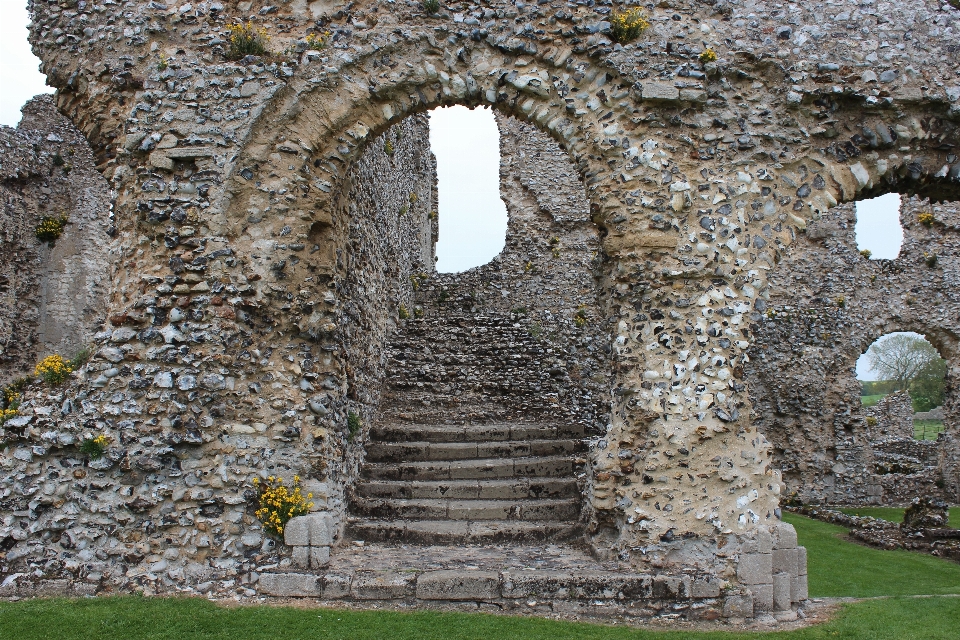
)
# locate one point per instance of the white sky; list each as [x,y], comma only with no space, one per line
[878,226]
[20,74]
[473,218]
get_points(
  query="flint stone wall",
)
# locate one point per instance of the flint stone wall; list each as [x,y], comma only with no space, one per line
[893,414]
[54,298]
[700,176]
[828,304]
[545,280]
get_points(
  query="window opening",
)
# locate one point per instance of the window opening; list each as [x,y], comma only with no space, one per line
[879,234]
[905,361]
[472,216]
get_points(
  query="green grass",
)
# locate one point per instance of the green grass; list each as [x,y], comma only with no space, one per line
[839,568]
[836,567]
[927,429]
[869,401]
[895,514]
[133,618]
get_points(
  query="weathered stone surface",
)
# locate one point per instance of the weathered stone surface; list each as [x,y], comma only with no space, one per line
[458,585]
[387,586]
[53,295]
[755,568]
[290,584]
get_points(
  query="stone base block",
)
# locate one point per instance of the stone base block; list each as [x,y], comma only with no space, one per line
[458,585]
[290,585]
[384,586]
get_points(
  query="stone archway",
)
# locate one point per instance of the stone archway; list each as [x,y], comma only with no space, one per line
[700,174]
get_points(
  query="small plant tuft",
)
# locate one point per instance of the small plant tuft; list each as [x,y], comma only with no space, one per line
[866,253]
[162,61]
[871,421]
[95,447]
[50,228]
[353,425]
[81,358]
[403,313]
[278,504]
[318,41]
[247,40]
[10,397]
[708,55]
[628,25]
[388,148]
[53,369]
[930,259]
[580,317]
[431,6]
[926,218]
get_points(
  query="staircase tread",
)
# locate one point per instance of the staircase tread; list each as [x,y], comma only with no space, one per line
[473,482]
[475,502]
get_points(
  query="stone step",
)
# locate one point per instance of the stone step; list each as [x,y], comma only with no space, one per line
[512,489]
[423,451]
[460,531]
[533,467]
[471,510]
[420,433]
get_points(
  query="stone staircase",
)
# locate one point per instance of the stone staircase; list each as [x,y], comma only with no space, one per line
[473,447]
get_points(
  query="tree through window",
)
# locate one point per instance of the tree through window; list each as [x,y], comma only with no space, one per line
[906,362]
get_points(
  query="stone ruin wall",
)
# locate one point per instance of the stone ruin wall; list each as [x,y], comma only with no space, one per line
[828,304]
[700,177]
[892,417]
[202,531]
[546,278]
[388,210]
[53,298]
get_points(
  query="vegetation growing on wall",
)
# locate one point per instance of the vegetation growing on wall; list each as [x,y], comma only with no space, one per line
[278,504]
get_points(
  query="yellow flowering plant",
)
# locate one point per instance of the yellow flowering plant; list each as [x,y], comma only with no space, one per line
[926,218]
[95,447]
[628,25]
[10,400]
[278,504]
[708,55]
[53,369]
[50,228]
[246,39]
[318,41]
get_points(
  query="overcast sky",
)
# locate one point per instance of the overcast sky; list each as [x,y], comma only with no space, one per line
[473,218]
[20,74]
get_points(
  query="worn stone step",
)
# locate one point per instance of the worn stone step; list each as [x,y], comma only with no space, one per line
[510,489]
[472,510]
[500,433]
[422,451]
[460,532]
[537,467]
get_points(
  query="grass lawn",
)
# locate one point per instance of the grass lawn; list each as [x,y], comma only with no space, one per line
[895,514]
[836,568]
[927,429]
[869,401]
[839,568]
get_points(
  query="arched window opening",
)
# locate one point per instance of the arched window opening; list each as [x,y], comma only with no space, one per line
[473,217]
[908,365]
[879,234]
